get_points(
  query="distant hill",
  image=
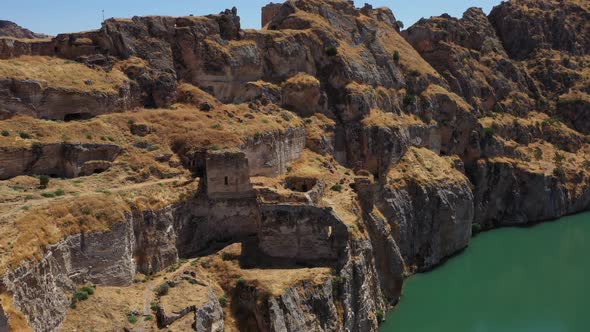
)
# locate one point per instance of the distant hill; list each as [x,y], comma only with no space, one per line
[11,29]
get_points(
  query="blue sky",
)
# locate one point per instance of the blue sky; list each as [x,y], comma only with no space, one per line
[57,16]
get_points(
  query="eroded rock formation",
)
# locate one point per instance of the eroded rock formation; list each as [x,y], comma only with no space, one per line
[301,171]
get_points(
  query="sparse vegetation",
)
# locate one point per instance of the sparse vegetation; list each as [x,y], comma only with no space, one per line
[132,318]
[163,289]
[5,133]
[331,51]
[380,316]
[538,153]
[400,24]
[223,300]
[409,99]
[43,181]
[396,57]
[25,135]
[337,187]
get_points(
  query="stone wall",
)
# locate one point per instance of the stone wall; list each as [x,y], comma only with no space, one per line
[228,175]
[301,232]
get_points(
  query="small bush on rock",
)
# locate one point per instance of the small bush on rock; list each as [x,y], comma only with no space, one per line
[331,51]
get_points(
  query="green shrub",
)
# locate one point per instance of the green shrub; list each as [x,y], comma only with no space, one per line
[59,192]
[558,158]
[400,24]
[81,296]
[37,148]
[380,316]
[88,289]
[409,99]
[223,301]
[43,181]
[154,306]
[488,132]
[216,126]
[337,187]
[48,195]
[241,281]
[396,57]
[5,133]
[88,136]
[331,51]
[148,317]
[131,318]
[475,228]
[538,153]
[559,172]
[163,289]
[24,135]
[286,116]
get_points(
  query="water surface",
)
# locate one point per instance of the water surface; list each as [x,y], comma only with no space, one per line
[533,279]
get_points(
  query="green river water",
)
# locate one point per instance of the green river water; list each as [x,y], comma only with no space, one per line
[533,279]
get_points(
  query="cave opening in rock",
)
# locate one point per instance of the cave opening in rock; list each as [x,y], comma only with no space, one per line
[300,184]
[77,116]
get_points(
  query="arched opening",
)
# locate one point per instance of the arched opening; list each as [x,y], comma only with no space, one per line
[76,116]
[226,181]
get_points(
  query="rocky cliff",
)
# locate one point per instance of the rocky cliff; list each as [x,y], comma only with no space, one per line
[11,29]
[211,178]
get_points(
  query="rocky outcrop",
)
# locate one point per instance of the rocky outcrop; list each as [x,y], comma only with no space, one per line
[506,194]
[430,213]
[527,25]
[155,240]
[471,57]
[30,97]
[210,317]
[11,29]
[270,154]
[41,289]
[66,160]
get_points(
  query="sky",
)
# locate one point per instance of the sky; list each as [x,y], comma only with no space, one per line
[62,16]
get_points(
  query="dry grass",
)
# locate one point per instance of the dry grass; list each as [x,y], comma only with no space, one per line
[61,74]
[425,166]
[379,118]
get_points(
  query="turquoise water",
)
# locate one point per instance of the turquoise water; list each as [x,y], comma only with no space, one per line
[533,279]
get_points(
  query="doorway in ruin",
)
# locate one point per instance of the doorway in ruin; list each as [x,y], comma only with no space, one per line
[77,117]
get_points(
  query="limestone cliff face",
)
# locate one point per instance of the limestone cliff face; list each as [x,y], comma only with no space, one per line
[29,97]
[510,195]
[59,159]
[40,289]
[271,153]
[430,217]
[419,136]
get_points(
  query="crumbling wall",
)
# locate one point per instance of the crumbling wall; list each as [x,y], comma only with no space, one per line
[301,232]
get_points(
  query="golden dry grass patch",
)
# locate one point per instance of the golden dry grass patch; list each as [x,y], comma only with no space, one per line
[62,74]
